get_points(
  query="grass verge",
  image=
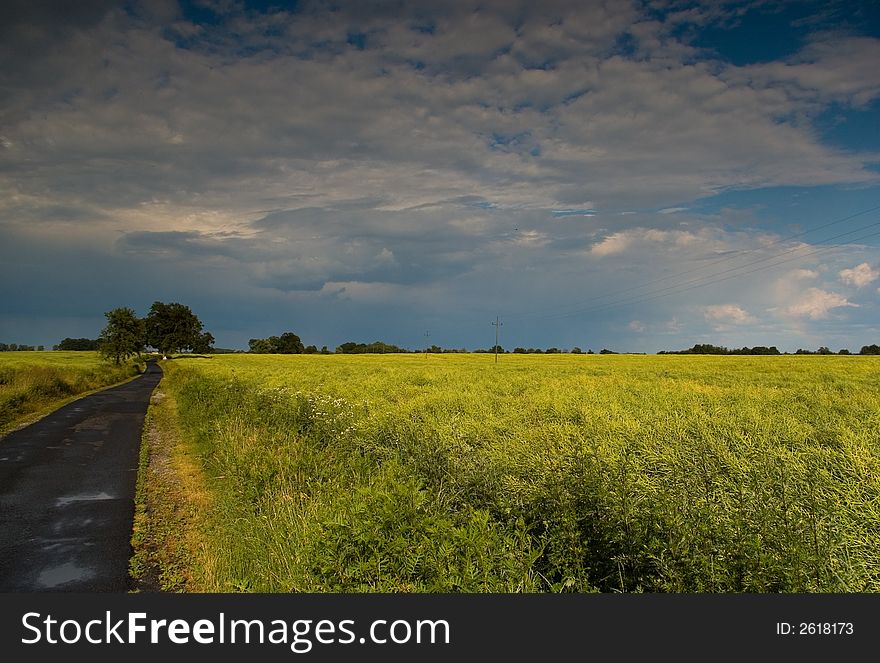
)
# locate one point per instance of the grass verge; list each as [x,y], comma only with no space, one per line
[170,553]
[31,388]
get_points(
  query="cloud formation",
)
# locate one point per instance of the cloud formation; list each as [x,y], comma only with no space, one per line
[727,313]
[816,304]
[454,157]
[860,275]
[418,116]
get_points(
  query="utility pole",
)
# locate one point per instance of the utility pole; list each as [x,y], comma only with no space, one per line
[498,325]
[427,336]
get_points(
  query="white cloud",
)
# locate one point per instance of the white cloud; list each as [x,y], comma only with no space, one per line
[816,304]
[860,275]
[727,313]
[650,238]
[385,256]
[831,67]
[636,326]
[804,274]
[531,238]
[614,243]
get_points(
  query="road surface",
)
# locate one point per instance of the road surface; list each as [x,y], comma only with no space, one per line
[67,485]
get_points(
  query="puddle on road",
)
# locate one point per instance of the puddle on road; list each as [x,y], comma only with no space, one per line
[63,574]
[64,501]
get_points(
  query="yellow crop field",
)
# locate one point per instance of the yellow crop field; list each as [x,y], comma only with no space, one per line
[446,473]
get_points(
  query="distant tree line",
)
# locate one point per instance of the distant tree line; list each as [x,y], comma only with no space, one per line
[286,344]
[821,351]
[376,347]
[553,350]
[289,343]
[549,351]
[492,350]
[17,347]
[708,349]
[78,344]
[174,328]
[436,350]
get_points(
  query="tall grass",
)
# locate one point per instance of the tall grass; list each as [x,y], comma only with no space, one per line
[35,382]
[566,473]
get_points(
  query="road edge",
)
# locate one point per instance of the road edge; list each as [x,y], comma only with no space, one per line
[38,415]
[171,507]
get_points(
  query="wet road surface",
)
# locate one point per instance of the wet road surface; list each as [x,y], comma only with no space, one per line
[67,485]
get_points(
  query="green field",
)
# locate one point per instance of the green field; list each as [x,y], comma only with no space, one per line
[448,473]
[34,383]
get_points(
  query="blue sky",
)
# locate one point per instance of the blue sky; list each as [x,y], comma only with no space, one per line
[637,176]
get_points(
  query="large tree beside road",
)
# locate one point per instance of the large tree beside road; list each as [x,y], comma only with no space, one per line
[168,328]
[123,337]
[174,328]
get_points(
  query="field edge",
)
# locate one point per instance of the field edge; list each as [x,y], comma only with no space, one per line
[25,420]
[169,549]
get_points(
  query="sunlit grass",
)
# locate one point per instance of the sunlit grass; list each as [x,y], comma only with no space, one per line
[562,473]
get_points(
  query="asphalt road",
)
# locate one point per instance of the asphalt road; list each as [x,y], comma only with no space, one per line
[67,485]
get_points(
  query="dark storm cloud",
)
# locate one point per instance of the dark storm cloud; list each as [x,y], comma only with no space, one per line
[29,27]
[306,248]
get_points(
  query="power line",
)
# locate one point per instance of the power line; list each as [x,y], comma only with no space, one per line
[738,254]
[699,283]
[761,260]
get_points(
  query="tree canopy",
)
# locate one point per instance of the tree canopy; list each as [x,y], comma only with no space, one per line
[123,337]
[286,344]
[376,347]
[18,347]
[79,344]
[174,328]
[709,349]
[204,343]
